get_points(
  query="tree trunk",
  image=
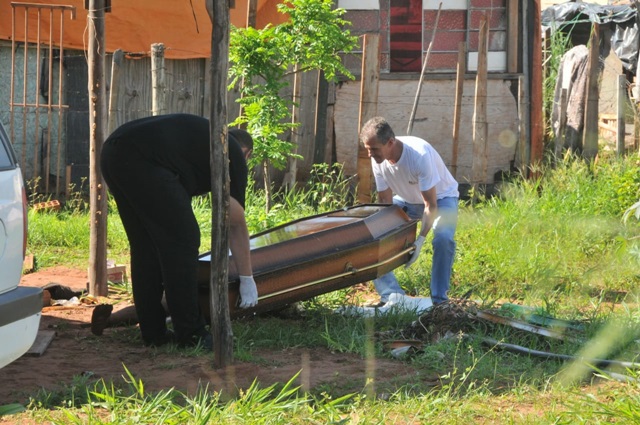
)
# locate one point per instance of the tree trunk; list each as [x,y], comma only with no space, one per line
[97,122]
[218,286]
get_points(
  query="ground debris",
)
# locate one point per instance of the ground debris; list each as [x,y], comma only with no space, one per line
[451,317]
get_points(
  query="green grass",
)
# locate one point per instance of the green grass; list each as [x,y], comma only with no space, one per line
[561,244]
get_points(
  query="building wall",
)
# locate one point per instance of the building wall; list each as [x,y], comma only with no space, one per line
[459,21]
[433,121]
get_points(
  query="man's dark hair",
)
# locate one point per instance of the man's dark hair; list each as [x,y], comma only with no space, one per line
[243,138]
[379,128]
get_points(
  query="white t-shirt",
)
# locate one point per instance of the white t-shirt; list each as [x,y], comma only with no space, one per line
[419,168]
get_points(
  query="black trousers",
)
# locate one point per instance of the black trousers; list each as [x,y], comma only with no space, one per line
[164,237]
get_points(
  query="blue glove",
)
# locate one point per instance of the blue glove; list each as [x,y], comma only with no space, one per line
[248,292]
[416,253]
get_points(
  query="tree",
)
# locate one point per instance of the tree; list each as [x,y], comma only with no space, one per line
[312,39]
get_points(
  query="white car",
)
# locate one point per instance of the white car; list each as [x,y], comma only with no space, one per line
[20,307]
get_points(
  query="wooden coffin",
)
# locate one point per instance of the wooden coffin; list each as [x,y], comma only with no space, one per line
[319,254]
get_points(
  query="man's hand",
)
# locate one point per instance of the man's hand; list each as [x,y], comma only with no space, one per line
[418,244]
[248,292]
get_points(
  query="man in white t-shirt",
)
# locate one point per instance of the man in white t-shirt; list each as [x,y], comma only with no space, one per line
[410,173]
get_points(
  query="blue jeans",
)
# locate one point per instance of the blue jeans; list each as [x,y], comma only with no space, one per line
[444,248]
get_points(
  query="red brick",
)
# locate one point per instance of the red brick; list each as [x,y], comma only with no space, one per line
[487,3]
[363,20]
[442,61]
[445,40]
[449,20]
[497,18]
[497,41]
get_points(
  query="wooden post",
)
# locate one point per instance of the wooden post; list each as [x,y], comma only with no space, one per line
[97,123]
[218,286]
[622,128]
[523,147]
[480,131]
[320,123]
[513,36]
[158,80]
[290,176]
[535,93]
[590,136]
[114,90]
[368,109]
[252,11]
[559,142]
[462,67]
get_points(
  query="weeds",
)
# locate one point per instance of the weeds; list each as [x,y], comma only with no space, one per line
[566,244]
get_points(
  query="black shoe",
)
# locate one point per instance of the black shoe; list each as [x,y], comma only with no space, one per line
[204,340]
[100,318]
[378,304]
[168,337]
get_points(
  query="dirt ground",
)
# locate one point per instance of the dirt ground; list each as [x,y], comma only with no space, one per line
[74,351]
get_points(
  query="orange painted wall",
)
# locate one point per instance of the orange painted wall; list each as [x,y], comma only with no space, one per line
[134,25]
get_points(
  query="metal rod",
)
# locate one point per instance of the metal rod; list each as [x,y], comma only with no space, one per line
[36,172]
[47,6]
[13,69]
[24,90]
[59,149]
[49,99]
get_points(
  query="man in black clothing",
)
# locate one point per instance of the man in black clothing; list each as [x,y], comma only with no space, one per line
[153,167]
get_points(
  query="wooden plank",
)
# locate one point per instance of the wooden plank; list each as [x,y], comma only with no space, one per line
[513,36]
[535,113]
[320,121]
[290,175]
[590,136]
[480,126]
[206,88]
[184,89]
[252,9]
[462,66]
[158,80]
[522,158]
[42,342]
[622,96]
[368,109]
[114,90]
[559,142]
[28,264]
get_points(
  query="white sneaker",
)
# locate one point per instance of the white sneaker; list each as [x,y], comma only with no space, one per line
[406,302]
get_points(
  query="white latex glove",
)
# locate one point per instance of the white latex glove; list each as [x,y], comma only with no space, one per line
[416,253]
[248,292]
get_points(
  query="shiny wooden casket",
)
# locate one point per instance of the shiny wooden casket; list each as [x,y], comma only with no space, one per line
[319,254]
